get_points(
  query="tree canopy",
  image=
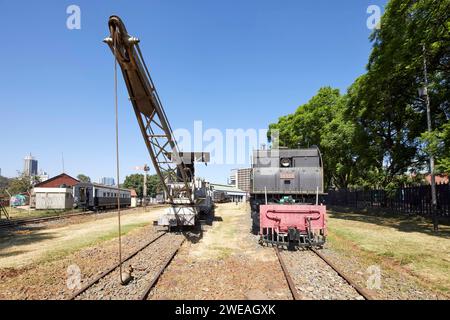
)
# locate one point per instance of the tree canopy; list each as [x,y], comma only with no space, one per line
[377,131]
[83,178]
[136,182]
[19,185]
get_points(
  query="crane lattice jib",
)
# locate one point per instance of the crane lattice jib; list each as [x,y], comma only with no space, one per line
[152,119]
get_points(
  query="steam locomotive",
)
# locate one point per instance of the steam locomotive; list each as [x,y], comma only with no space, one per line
[287,187]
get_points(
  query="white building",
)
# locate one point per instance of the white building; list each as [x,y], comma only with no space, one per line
[232,180]
[232,193]
[43,176]
[53,198]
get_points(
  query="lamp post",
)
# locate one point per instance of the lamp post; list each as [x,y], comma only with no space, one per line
[423,93]
[146,169]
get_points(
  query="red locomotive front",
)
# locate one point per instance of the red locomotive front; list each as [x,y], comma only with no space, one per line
[293,225]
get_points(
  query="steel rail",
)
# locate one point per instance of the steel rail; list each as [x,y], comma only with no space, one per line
[4,224]
[294,292]
[12,222]
[359,289]
[105,273]
[152,283]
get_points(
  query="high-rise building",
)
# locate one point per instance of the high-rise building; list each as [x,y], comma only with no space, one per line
[244,179]
[30,167]
[241,179]
[232,180]
[107,181]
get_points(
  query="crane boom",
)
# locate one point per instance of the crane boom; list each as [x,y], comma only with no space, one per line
[170,165]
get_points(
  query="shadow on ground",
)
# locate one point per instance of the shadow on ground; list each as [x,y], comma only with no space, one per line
[17,237]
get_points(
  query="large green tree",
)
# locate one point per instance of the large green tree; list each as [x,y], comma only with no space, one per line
[377,132]
[19,185]
[136,182]
[385,101]
[322,122]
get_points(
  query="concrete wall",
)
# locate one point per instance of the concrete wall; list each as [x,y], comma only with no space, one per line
[53,198]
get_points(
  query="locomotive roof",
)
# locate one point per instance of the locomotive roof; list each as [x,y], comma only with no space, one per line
[280,153]
[97,185]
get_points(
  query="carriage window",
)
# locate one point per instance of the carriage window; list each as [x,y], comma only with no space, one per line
[104,194]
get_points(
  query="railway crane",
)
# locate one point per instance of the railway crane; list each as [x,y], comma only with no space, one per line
[187,195]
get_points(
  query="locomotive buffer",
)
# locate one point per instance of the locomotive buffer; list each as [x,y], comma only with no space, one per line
[187,195]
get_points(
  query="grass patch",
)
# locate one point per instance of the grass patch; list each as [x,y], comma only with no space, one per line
[398,241]
[16,213]
[90,241]
[222,252]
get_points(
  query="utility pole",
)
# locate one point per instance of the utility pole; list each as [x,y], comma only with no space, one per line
[423,92]
[146,169]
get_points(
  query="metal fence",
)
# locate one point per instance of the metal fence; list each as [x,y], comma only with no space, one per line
[409,200]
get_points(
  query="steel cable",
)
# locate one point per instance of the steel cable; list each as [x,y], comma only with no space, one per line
[117,153]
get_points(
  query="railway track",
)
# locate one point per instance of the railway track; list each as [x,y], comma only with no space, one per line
[294,292]
[6,224]
[299,257]
[149,263]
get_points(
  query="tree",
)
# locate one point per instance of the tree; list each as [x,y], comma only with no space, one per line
[438,144]
[322,122]
[136,182]
[19,185]
[4,184]
[384,101]
[377,132]
[83,178]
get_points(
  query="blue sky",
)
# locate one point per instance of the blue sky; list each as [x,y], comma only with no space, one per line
[231,64]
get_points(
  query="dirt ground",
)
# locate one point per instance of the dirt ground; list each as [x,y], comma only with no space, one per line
[226,263]
[31,245]
[46,273]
